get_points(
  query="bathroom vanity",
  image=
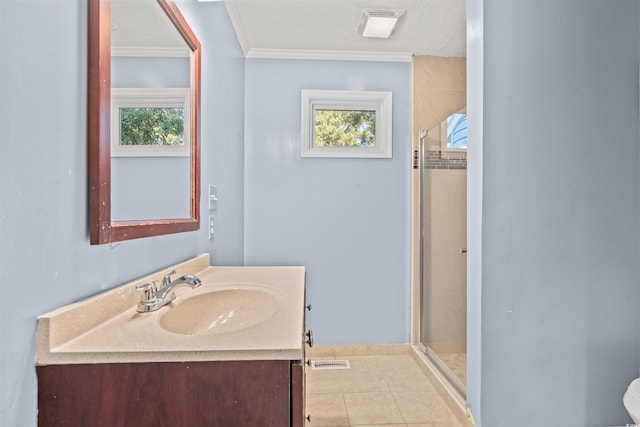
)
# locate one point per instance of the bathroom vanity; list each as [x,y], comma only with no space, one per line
[227,353]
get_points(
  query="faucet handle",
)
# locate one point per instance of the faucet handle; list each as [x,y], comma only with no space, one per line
[148,290]
[166,280]
[143,286]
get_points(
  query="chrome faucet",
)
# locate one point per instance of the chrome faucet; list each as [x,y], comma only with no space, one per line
[153,296]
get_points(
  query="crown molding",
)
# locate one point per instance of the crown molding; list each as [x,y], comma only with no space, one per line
[329,55]
[234,16]
[252,52]
[170,52]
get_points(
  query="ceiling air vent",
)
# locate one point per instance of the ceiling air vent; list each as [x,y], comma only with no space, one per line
[379,23]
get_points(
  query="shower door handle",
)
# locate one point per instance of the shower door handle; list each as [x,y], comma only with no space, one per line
[462,250]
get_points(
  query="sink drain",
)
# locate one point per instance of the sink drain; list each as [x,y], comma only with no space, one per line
[319,365]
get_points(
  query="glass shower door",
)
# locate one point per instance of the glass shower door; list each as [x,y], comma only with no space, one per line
[443,188]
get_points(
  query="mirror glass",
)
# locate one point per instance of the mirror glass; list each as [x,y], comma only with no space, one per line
[143,112]
[149,65]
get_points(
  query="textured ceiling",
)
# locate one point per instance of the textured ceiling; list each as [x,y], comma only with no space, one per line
[430,27]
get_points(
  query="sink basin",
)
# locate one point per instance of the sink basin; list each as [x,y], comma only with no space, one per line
[220,311]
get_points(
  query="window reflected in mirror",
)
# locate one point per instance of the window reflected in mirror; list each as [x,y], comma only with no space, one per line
[150,122]
[150,126]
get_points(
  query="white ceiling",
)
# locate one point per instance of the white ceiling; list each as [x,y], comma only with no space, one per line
[327,29]
[321,29]
[141,25]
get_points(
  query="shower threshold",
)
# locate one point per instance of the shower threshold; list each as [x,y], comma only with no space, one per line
[444,370]
[451,388]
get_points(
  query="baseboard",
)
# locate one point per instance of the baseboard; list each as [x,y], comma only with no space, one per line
[357,350]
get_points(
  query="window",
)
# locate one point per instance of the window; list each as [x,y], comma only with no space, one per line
[457,131]
[453,136]
[346,124]
[150,122]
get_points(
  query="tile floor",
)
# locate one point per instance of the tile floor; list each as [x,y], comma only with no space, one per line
[383,391]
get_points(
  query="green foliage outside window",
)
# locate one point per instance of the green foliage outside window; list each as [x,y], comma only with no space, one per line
[345,128]
[152,126]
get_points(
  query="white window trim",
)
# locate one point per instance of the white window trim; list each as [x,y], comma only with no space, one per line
[381,102]
[149,97]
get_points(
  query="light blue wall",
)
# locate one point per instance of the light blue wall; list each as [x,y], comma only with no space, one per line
[45,257]
[150,187]
[559,212]
[136,72]
[222,128]
[346,220]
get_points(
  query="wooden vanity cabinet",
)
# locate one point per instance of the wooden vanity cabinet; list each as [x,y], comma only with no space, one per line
[298,393]
[219,393]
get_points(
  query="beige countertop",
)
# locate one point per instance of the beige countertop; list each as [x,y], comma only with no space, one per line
[107,328]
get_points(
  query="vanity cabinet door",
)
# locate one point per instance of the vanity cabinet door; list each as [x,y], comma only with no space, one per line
[224,394]
[297,394]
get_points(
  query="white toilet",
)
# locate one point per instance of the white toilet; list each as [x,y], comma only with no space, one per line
[631,400]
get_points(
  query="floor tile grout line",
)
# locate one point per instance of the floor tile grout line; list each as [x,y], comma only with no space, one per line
[346,409]
[398,406]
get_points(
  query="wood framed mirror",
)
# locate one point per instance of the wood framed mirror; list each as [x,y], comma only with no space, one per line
[105,226]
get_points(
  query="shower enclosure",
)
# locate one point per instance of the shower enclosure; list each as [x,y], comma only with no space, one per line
[442,247]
